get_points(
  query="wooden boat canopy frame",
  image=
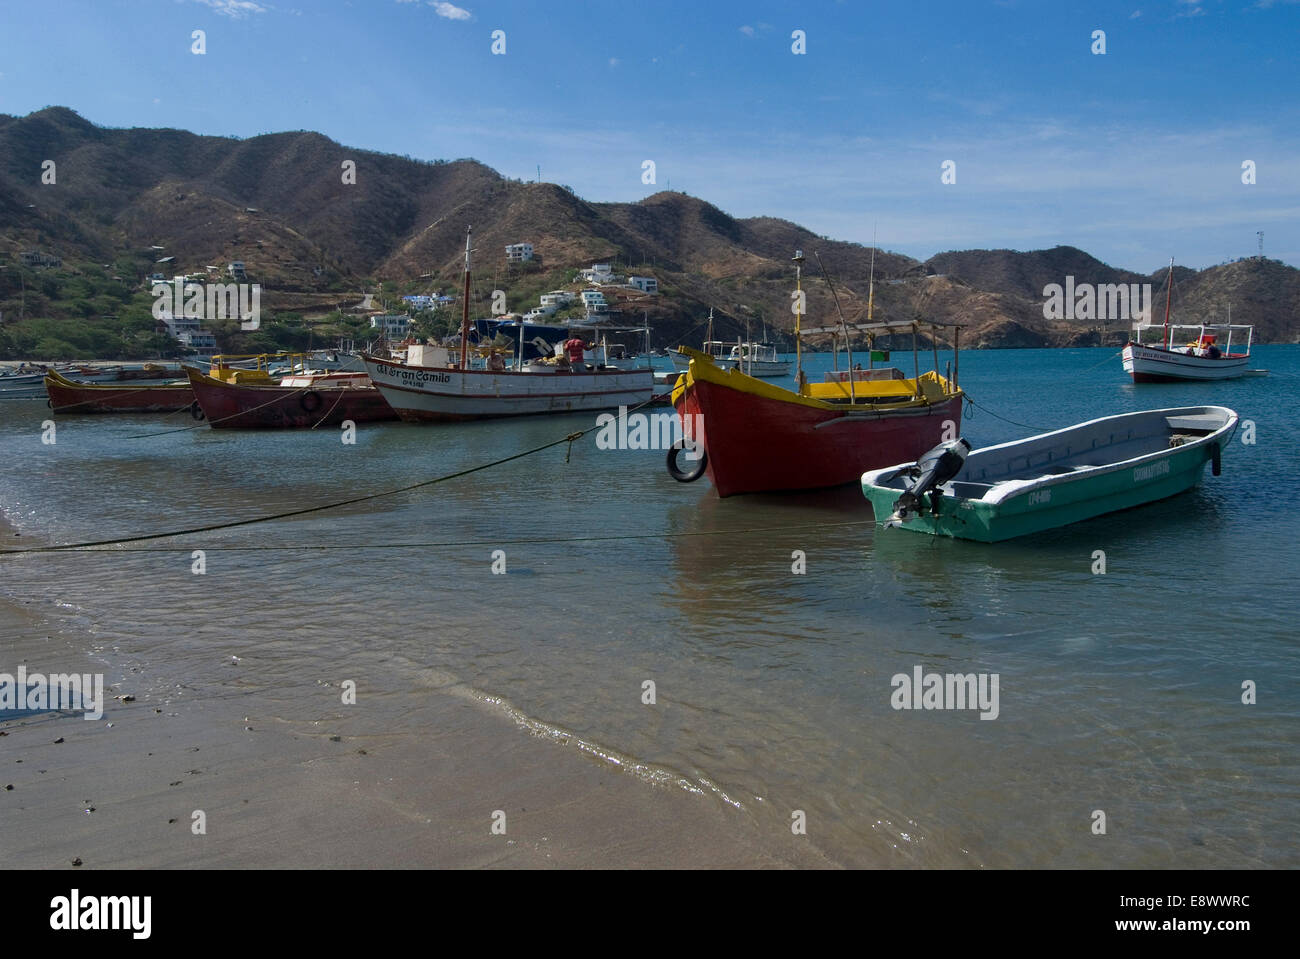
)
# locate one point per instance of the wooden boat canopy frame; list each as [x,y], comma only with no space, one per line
[1168,329]
[893,327]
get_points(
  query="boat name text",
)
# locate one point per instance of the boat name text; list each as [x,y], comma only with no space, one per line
[413,376]
[1143,473]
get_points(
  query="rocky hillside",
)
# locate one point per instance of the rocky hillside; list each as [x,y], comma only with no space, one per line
[124,199]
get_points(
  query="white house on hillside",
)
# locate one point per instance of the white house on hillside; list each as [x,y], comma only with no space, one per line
[557,298]
[646,284]
[599,273]
[519,252]
[395,326]
[186,330]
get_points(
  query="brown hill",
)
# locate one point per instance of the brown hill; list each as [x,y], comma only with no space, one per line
[279,203]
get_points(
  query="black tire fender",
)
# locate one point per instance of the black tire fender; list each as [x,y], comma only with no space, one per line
[310,401]
[681,475]
[196,411]
[1216,459]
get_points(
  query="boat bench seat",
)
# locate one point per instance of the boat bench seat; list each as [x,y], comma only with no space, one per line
[966,490]
[1194,424]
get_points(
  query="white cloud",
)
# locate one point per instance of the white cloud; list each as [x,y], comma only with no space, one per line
[235,9]
[1023,182]
[747,31]
[449,10]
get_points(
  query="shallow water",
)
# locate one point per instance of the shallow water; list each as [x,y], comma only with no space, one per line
[1119,692]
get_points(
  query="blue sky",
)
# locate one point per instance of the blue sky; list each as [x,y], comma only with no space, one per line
[1135,155]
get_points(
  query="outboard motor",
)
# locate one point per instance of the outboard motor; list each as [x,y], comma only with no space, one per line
[930,472]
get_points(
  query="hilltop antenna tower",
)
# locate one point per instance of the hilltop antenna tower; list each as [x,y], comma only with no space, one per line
[1260,234]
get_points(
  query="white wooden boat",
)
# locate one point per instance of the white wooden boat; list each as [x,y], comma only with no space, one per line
[1207,354]
[1052,479]
[22,386]
[445,389]
[752,359]
[759,359]
[419,392]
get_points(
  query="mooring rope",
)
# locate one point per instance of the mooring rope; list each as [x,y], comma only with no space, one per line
[453,544]
[213,527]
[1036,429]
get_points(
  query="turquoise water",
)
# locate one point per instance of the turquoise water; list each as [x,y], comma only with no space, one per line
[1119,692]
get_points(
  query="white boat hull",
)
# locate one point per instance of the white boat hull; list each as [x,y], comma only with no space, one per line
[423,393]
[766,368]
[1152,364]
[22,386]
[759,368]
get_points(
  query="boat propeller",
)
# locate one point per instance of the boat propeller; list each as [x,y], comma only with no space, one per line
[929,473]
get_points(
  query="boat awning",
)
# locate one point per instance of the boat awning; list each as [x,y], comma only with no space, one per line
[891,326]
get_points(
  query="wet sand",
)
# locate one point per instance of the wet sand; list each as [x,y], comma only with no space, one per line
[309,788]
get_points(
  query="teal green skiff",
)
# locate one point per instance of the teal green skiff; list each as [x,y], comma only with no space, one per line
[1065,476]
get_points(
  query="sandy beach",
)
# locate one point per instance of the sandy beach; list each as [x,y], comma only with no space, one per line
[313,787]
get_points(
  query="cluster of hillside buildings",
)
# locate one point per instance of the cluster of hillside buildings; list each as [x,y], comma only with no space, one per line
[38,260]
[397,326]
[188,330]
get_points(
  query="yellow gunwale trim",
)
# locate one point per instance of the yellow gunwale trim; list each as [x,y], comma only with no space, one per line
[117,385]
[703,369]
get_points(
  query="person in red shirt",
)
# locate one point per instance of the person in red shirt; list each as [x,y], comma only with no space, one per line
[573,349]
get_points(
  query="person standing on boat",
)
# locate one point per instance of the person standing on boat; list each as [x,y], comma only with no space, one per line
[573,349]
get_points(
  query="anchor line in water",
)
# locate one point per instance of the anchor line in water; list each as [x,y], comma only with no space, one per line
[1106,360]
[542,541]
[199,426]
[1037,429]
[337,400]
[570,439]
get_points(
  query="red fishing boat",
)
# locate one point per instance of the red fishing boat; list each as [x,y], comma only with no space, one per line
[68,396]
[758,437]
[232,398]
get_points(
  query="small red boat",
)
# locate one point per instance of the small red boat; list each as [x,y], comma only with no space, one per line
[305,400]
[68,396]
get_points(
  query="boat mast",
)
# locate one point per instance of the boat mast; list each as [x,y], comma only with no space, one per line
[798,320]
[848,345]
[871,303]
[1169,293]
[464,313]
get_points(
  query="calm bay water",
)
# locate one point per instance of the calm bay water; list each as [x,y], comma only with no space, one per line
[1119,692]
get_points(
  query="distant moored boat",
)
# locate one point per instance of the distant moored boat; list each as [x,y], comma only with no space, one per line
[1203,357]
